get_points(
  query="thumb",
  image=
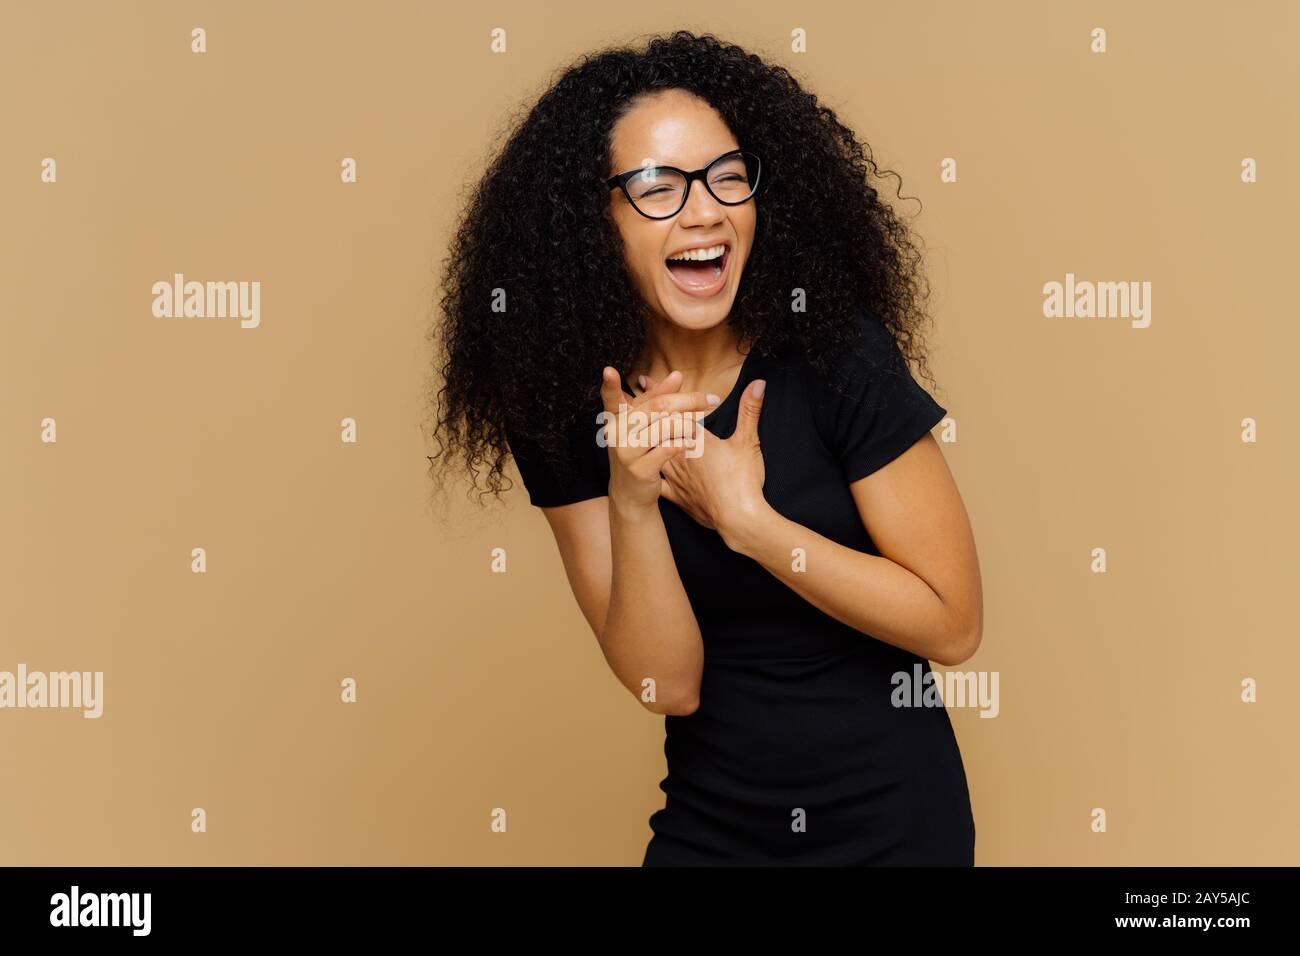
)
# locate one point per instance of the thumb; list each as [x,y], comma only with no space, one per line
[751,406]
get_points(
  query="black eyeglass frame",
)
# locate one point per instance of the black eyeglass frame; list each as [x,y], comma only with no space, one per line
[622,179]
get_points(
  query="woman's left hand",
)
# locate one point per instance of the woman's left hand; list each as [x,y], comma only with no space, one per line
[722,487]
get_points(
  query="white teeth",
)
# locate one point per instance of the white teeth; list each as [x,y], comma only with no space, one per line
[700,255]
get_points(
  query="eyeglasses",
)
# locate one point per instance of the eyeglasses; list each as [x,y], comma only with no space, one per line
[660,192]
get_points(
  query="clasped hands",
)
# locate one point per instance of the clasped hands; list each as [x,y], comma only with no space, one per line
[721,487]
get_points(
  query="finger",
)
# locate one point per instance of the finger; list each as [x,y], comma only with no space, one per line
[653,461]
[666,491]
[751,406]
[679,402]
[672,381]
[611,391]
[662,426]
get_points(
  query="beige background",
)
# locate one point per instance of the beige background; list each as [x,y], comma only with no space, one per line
[481,690]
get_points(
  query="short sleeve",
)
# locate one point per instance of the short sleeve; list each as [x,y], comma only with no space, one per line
[879,411]
[581,471]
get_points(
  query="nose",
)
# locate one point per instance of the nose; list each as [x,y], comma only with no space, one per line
[701,208]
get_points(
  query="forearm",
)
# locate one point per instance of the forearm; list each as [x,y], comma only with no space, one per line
[650,628]
[869,593]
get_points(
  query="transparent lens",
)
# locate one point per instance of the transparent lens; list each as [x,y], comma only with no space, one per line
[733,178]
[657,191]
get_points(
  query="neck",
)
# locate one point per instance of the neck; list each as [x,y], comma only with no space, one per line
[694,353]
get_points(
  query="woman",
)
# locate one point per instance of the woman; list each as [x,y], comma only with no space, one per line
[682,231]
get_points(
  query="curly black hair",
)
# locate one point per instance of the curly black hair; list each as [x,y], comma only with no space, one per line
[537,230]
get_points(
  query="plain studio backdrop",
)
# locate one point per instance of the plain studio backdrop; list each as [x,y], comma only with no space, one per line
[325,559]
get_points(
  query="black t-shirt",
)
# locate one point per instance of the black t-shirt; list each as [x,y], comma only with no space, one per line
[795,720]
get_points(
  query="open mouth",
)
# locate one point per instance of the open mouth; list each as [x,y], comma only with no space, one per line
[700,272]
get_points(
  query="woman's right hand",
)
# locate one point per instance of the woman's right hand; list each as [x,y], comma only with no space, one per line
[634,464]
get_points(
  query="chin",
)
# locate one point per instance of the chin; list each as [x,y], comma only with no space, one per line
[697,316]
